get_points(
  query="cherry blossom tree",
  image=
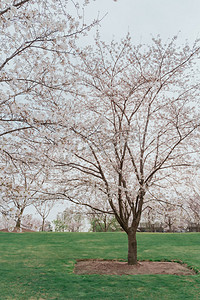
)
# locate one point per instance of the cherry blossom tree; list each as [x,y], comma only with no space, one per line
[34,42]
[116,121]
[168,216]
[29,222]
[20,186]
[133,124]
[43,208]
[6,223]
[194,215]
[167,203]
[35,45]
[193,201]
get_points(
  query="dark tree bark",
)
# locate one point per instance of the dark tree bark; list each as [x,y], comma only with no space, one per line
[132,248]
[18,223]
[43,222]
[19,219]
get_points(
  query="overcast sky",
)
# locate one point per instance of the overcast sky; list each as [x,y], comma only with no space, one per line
[142,18]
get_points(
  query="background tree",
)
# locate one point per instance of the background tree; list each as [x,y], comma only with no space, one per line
[166,204]
[134,122]
[20,185]
[34,48]
[43,208]
[6,222]
[194,209]
[69,220]
[33,40]
[103,223]
[30,222]
[165,216]
[193,202]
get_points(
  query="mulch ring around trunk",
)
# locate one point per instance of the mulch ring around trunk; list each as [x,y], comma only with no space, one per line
[114,267]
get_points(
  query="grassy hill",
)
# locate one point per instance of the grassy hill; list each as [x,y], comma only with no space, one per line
[40,266]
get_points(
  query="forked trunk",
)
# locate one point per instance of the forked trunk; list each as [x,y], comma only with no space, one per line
[132,248]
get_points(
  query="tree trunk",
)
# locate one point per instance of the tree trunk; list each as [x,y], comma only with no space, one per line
[132,248]
[19,219]
[18,223]
[170,224]
[43,221]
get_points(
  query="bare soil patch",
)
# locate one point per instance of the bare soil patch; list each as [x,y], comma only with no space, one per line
[113,267]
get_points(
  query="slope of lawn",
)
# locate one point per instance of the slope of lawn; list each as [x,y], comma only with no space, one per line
[40,266]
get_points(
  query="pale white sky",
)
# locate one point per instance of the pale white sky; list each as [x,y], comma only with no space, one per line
[145,17]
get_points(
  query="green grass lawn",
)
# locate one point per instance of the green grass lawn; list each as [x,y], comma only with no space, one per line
[40,266]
